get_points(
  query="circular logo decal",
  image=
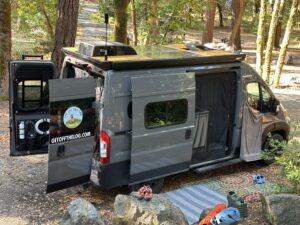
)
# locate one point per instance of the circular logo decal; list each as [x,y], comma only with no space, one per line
[73,117]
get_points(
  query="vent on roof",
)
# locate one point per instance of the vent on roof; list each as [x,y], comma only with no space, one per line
[98,49]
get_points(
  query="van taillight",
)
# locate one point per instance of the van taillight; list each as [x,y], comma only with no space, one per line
[104,148]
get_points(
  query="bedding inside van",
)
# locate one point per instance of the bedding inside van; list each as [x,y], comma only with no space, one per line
[215,98]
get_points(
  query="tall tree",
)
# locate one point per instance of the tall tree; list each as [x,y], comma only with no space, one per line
[238,9]
[134,23]
[285,42]
[220,10]
[5,44]
[208,34]
[256,6]
[48,22]
[278,4]
[66,28]
[278,31]
[121,16]
[260,42]
[153,34]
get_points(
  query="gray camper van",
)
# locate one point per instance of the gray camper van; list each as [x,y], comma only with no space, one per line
[140,114]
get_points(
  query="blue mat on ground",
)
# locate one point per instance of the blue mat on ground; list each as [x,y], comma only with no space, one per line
[194,199]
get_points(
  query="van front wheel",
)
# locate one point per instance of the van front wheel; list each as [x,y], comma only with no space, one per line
[156,185]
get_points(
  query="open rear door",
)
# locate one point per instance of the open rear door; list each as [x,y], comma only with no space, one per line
[162,127]
[29,106]
[72,130]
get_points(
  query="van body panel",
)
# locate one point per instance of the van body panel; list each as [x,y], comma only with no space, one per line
[163,149]
[72,130]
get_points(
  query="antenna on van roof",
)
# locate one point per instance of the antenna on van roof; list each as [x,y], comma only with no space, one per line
[106,23]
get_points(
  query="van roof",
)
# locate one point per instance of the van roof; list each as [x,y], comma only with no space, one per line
[158,57]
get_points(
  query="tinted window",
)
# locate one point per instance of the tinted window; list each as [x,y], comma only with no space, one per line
[159,114]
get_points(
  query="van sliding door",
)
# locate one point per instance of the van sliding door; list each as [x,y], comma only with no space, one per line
[72,130]
[163,115]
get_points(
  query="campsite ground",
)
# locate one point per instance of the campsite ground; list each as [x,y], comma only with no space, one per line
[23,179]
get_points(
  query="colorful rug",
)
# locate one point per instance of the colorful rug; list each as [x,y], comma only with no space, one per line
[193,199]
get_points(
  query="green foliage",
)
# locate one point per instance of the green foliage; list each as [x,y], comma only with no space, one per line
[275,148]
[290,163]
[29,22]
[287,156]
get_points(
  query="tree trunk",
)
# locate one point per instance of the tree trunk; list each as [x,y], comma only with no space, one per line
[120,15]
[66,28]
[238,8]
[260,42]
[134,24]
[5,44]
[285,41]
[221,22]
[208,34]
[47,20]
[271,37]
[256,6]
[278,32]
[153,35]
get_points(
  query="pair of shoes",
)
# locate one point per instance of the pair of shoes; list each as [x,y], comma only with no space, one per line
[259,179]
[217,209]
[144,192]
[228,216]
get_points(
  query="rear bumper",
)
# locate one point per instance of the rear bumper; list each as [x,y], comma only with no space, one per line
[110,175]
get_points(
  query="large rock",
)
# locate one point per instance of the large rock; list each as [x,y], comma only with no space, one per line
[131,211]
[81,212]
[281,209]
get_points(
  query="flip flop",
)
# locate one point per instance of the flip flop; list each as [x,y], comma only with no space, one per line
[217,209]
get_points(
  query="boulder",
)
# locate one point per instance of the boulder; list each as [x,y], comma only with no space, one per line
[81,212]
[281,209]
[131,211]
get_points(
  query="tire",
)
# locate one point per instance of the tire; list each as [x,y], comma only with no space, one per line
[275,136]
[156,185]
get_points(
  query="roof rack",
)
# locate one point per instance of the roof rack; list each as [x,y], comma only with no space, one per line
[158,57]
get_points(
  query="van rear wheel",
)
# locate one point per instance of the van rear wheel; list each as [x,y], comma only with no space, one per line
[156,185]
[267,146]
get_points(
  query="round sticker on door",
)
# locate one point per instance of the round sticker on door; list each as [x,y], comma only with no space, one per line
[73,117]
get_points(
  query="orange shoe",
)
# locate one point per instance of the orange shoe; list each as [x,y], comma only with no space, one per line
[217,209]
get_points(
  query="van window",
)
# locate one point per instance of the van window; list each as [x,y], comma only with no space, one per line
[253,95]
[32,94]
[167,113]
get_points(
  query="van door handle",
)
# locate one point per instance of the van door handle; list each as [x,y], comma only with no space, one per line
[61,151]
[188,133]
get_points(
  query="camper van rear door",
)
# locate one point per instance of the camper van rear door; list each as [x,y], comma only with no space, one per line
[163,116]
[72,130]
[29,106]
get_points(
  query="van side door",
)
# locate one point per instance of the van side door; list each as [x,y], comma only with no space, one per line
[163,116]
[72,130]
